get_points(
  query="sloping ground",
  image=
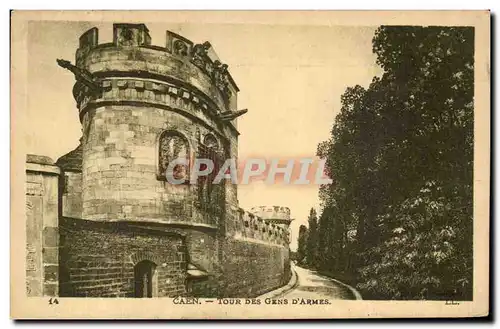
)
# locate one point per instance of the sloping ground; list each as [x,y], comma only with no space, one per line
[312,285]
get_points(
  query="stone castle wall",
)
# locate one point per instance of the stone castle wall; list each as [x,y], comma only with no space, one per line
[255,268]
[98,260]
[95,258]
[258,256]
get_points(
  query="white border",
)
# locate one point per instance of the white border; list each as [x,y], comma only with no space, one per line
[175,4]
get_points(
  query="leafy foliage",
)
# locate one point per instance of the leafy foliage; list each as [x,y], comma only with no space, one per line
[301,248]
[397,219]
[312,239]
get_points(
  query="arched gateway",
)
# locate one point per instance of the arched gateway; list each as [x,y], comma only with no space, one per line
[145,279]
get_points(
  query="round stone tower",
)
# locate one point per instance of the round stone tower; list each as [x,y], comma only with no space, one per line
[274,214]
[142,106]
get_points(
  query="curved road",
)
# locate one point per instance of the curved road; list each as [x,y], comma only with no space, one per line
[312,285]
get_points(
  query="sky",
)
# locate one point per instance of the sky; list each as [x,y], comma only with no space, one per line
[290,77]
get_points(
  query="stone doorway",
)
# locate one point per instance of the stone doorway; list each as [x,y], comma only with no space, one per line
[145,279]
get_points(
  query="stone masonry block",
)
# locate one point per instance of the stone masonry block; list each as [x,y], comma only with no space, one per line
[139,85]
[50,255]
[50,237]
[51,273]
[122,84]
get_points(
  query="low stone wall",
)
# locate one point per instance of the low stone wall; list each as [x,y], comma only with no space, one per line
[98,259]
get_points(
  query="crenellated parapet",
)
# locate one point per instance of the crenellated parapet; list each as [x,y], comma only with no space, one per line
[198,54]
[192,68]
[258,229]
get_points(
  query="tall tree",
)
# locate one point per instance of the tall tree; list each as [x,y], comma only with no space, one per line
[312,239]
[302,242]
[400,156]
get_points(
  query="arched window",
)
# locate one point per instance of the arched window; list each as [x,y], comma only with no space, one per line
[145,279]
[173,146]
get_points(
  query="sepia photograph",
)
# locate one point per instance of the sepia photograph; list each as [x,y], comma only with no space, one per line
[250,167]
